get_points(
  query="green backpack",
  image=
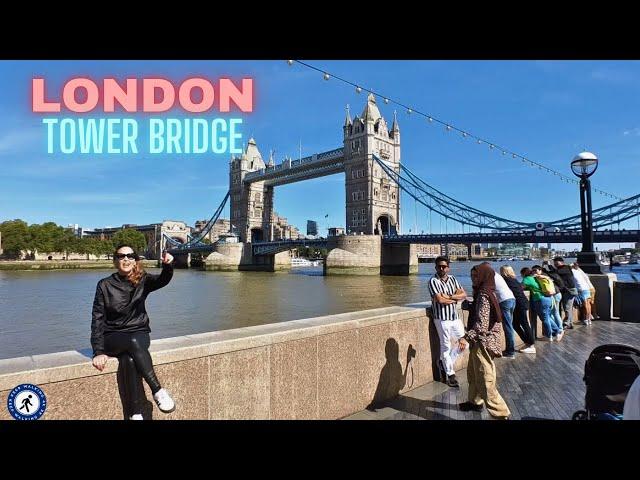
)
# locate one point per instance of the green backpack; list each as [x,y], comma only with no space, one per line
[546,285]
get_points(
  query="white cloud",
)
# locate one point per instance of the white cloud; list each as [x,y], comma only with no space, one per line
[632,132]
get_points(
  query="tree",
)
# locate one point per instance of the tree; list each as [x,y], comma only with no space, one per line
[15,237]
[66,242]
[96,246]
[131,237]
[47,238]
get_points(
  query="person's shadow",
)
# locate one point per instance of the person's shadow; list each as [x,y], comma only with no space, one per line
[392,379]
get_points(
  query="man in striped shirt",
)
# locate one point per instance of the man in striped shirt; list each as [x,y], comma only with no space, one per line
[446,292]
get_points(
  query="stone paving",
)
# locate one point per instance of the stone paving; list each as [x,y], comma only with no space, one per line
[547,385]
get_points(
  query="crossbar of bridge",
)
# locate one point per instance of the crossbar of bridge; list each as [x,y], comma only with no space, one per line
[314,166]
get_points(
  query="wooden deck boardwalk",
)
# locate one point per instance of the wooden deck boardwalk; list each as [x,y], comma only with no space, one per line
[547,385]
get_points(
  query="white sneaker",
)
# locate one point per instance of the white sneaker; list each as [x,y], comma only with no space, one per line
[164,401]
[137,416]
[559,336]
[529,349]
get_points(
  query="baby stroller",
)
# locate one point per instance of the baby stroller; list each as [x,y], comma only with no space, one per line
[608,374]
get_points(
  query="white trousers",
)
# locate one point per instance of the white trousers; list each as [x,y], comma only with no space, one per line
[449,330]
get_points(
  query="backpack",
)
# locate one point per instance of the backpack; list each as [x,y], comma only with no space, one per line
[557,281]
[546,285]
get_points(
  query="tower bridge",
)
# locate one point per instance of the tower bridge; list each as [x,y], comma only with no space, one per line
[370,159]
[372,200]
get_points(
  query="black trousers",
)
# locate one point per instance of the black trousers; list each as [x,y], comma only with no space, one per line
[132,350]
[521,325]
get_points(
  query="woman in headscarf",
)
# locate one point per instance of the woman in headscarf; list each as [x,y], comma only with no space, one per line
[484,331]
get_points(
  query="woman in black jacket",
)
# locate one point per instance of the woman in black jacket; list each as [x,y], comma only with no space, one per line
[120,326]
[520,322]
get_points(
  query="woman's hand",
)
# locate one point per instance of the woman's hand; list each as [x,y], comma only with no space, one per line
[167,257]
[99,361]
[462,344]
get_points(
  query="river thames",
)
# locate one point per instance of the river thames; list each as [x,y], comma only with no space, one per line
[50,311]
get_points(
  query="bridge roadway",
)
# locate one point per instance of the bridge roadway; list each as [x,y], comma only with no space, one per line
[270,248]
[607,236]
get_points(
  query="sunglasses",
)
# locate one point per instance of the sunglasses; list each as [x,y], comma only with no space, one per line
[442,266]
[130,256]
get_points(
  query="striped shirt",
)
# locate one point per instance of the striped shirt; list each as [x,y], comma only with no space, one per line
[441,311]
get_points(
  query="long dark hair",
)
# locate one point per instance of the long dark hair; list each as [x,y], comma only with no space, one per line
[137,272]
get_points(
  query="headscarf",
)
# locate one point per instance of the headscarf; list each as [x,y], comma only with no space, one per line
[486,283]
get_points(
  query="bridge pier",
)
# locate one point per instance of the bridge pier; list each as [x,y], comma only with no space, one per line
[268,263]
[367,255]
[399,259]
[353,255]
[231,257]
[180,260]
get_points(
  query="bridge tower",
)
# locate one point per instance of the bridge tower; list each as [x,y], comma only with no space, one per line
[372,198]
[252,204]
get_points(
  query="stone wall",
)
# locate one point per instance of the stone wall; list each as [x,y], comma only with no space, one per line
[318,368]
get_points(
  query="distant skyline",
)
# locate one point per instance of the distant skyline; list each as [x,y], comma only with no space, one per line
[547,111]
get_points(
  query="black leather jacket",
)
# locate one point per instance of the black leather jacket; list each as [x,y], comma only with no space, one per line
[120,307]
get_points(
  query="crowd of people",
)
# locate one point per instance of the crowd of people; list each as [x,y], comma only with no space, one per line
[500,303]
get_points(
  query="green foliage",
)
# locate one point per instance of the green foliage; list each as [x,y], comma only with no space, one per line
[15,236]
[131,237]
[95,246]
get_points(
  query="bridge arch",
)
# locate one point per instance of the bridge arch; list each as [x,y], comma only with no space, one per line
[385,225]
[257,235]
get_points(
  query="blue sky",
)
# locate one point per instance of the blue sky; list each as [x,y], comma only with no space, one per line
[547,111]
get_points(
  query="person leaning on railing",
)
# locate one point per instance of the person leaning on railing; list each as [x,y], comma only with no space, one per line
[520,322]
[585,287]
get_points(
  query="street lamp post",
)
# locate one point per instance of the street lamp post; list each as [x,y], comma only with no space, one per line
[583,166]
